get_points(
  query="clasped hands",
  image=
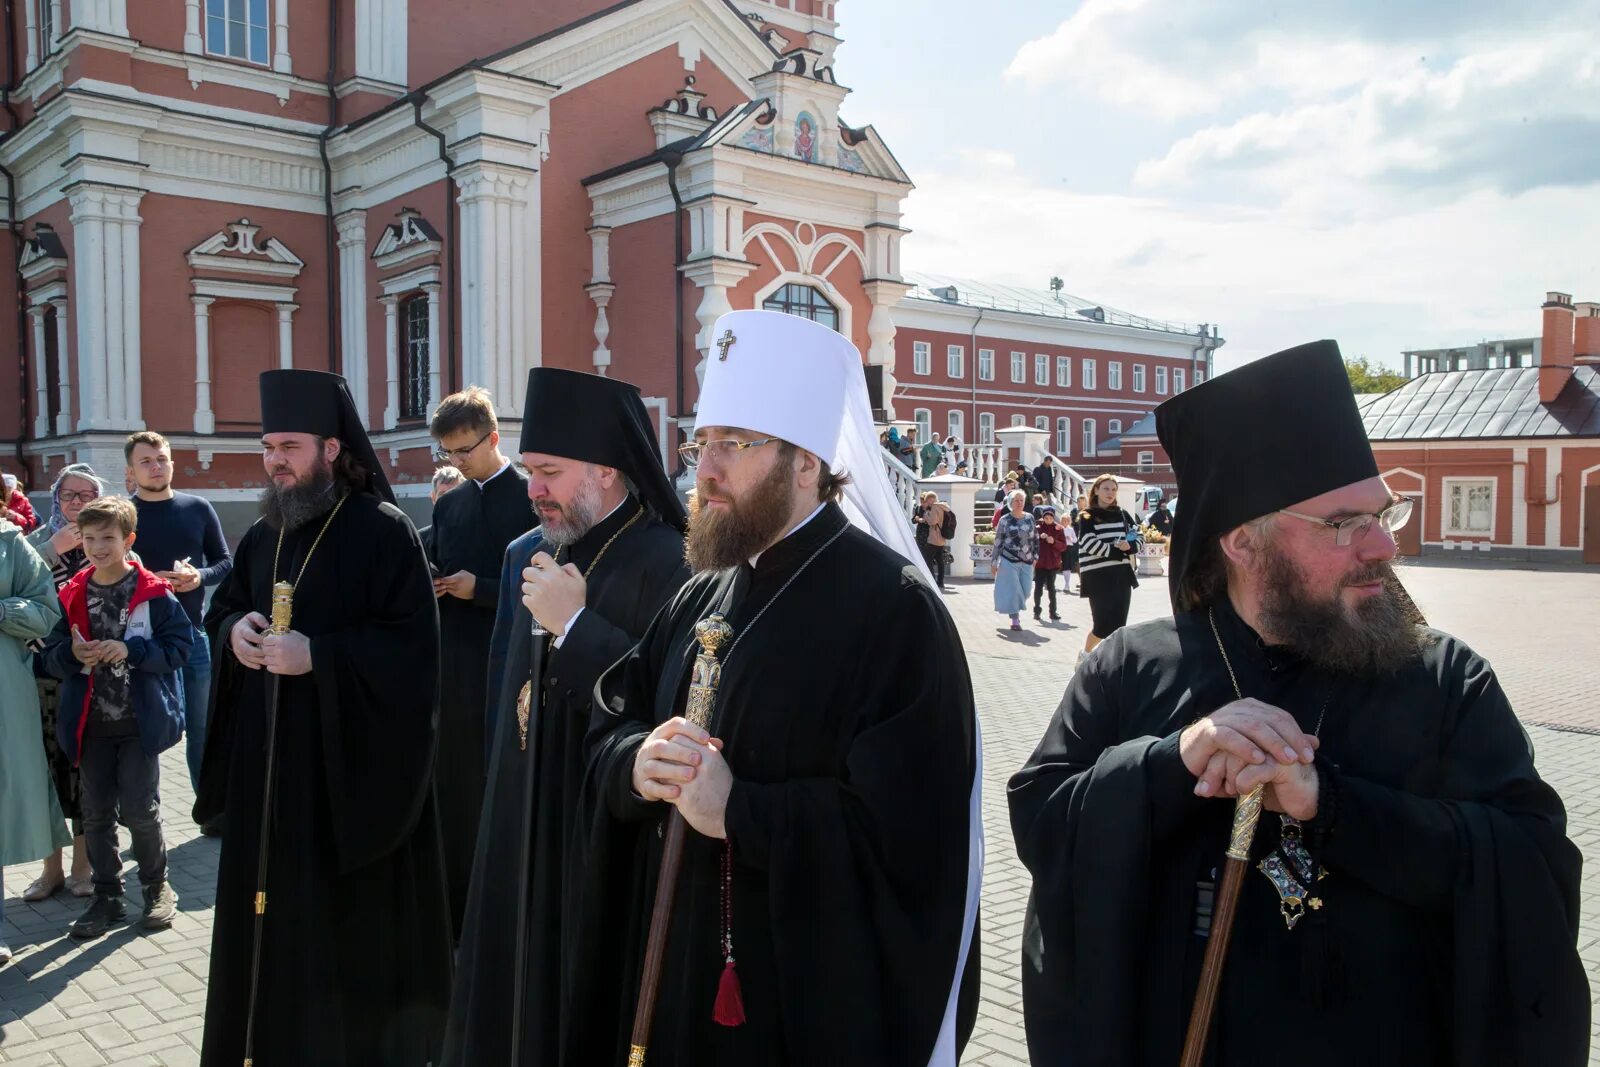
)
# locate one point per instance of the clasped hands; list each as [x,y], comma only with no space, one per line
[93,653]
[1248,743]
[683,765]
[255,647]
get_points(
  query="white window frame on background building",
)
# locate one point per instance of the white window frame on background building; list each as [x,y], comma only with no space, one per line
[1063,436]
[1147,461]
[1088,375]
[1114,375]
[1089,442]
[218,15]
[1041,422]
[1019,367]
[923,417]
[986,364]
[1041,369]
[1138,377]
[986,427]
[1161,381]
[955,359]
[1199,376]
[921,357]
[1064,372]
[954,425]
[1458,515]
[1019,420]
[1114,428]
[1179,383]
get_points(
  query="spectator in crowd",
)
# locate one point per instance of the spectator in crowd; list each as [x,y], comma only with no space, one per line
[125,625]
[1044,479]
[1038,505]
[31,824]
[14,506]
[60,545]
[1108,539]
[931,517]
[1016,546]
[1024,478]
[445,479]
[892,443]
[180,539]
[1053,541]
[1160,518]
[1002,495]
[908,449]
[932,455]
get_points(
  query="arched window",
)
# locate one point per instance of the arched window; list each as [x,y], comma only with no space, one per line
[418,360]
[804,301]
[52,368]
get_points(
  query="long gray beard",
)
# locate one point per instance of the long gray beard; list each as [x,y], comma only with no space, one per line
[292,508]
[578,517]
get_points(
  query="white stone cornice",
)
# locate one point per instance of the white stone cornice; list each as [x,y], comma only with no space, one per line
[488,116]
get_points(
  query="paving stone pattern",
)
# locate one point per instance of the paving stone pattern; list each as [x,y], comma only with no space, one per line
[133,999]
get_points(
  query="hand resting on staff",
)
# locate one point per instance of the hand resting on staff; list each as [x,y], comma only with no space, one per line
[1249,743]
[683,765]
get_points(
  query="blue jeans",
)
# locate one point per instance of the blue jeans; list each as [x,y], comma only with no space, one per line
[196,698]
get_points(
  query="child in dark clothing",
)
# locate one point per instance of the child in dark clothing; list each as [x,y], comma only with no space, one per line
[118,649]
[1053,541]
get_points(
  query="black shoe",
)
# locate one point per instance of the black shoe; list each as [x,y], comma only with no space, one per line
[98,917]
[1055,618]
[1036,615]
[213,826]
[160,906]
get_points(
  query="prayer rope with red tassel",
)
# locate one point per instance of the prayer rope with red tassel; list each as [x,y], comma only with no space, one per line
[729,1008]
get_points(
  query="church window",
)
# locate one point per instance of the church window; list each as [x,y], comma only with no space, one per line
[52,366]
[804,301]
[921,357]
[238,29]
[47,27]
[414,396]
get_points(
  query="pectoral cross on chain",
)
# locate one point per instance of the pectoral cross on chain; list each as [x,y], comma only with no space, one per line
[724,343]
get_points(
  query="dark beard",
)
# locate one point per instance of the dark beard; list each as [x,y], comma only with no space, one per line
[727,537]
[310,498]
[1382,638]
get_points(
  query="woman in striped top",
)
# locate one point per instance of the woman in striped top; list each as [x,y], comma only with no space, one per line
[1108,538]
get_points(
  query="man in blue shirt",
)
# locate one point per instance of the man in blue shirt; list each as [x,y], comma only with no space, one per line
[180,539]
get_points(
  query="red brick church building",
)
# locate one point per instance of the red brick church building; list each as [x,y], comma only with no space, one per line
[423,194]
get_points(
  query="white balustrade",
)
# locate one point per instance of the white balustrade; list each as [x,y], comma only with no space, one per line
[904,481]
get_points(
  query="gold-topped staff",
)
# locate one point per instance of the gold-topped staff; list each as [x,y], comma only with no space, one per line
[282,612]
[712,633]
[1246,813]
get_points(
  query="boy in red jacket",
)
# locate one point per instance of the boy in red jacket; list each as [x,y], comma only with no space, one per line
[119,649]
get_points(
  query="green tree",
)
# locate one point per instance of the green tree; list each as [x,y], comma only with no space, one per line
[1366,377]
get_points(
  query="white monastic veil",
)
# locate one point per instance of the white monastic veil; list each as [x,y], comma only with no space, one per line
[870,502]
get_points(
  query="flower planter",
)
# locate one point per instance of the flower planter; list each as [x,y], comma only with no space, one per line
[982,557]
[1152,559]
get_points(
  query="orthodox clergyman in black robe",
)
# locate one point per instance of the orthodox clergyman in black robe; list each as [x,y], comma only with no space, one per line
[826,905]
[355,958]
[610,552]
[1411,897]
[472,525]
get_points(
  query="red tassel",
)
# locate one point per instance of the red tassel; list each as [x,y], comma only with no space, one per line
[729,1010]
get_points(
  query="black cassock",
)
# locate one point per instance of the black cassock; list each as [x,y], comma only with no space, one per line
[639,572]
[472,526]
[355,964]
[847,716]
[1450,908]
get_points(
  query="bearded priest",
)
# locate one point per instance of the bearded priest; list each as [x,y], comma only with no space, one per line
[1411,896]
[827,900]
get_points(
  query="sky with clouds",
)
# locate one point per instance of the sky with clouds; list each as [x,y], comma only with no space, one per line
[1391,174]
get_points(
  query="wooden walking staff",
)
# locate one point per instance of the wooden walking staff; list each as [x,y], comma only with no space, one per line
[712,633]
[282,610]
[1246,813]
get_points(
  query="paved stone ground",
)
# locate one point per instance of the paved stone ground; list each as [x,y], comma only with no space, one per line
[135,999]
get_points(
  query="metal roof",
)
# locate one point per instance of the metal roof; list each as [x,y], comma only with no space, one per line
[975,294]
[1481,404]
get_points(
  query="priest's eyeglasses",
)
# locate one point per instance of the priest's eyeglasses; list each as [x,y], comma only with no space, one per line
[1350,530]
[456,455]
[722,451]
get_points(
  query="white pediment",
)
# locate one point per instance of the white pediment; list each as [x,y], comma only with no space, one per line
[237,248]
[408,238]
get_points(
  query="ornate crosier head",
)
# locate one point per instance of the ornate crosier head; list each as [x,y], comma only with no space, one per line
[712,633]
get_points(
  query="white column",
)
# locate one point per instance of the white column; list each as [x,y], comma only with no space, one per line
[286,335]
[35,53]
[56,28]
[500,296]
[112,339]
[63,375]
[381,40]
[435,354]
[280,53]
[41,418]
[88,269]
[353,304]
[132,329]
[1519,496]
[205,420]
[391,356]
[192,41]
[600,293]
[106,16]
